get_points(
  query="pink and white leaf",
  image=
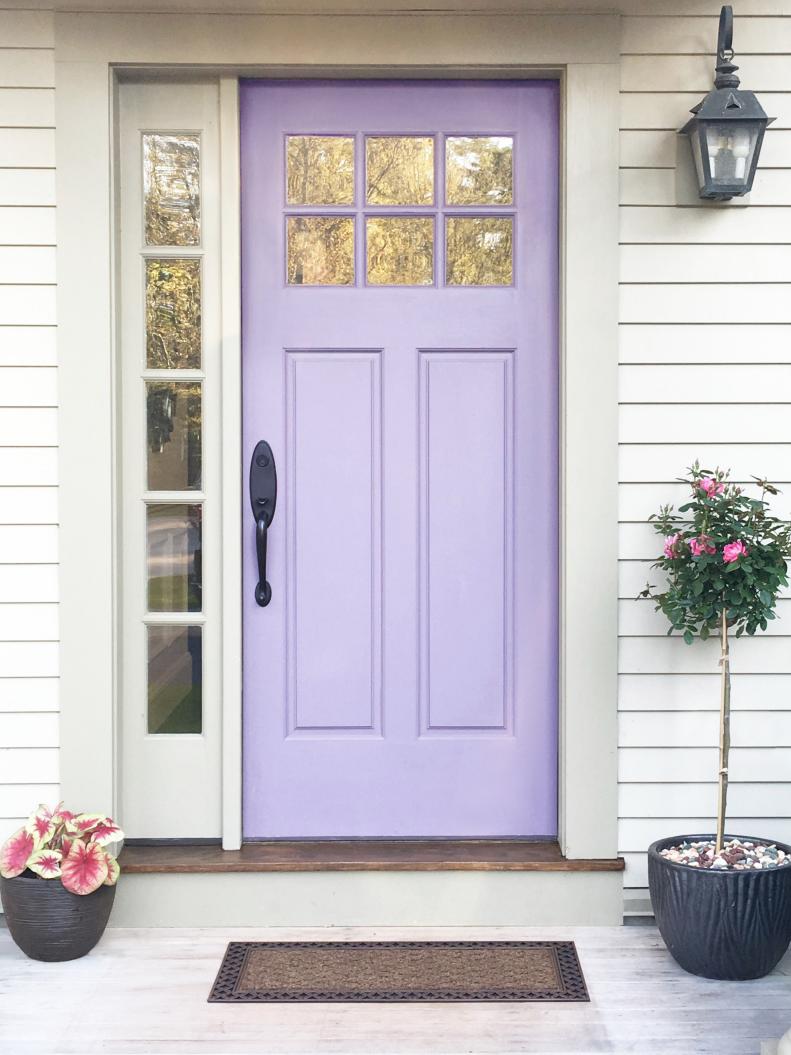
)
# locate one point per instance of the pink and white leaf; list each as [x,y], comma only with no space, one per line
[15,853]
[41,825]
[113,870]
[106,831]
[62,816]
[85,868]
[45,863]
[84,823]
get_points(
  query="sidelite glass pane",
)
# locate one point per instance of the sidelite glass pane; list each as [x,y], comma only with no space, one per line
[171,188]
[173,428]
[173,314]
[175,679]
[173,551]
[479,170]
[320,251]
[400,250]
[320,170]
[479,251]
[399,170]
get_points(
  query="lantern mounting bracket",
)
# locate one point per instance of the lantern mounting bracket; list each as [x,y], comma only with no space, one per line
[725,71]
[725,35]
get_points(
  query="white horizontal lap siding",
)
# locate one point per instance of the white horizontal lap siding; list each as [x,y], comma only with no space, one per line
[28,419]
[705,353]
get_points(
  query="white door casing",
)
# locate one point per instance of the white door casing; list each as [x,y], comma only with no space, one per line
[92,50]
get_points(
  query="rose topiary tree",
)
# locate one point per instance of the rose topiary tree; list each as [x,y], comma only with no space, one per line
[725,561]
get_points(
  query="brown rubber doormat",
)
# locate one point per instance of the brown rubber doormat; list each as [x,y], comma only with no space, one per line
[385,971]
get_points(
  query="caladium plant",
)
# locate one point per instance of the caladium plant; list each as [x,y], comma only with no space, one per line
[59,844]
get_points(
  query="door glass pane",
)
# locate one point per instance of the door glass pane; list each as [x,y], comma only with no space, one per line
[173,314]
[320,250]
[479,251]
[171,188]
[173,544]
[320,170]
[399,170]
[400,250]
[175,679]
[173,426]
[479,170]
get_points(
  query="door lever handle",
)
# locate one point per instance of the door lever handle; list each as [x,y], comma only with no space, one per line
[263,591]
[263,498]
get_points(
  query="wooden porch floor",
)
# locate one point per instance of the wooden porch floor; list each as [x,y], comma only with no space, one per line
[144,991]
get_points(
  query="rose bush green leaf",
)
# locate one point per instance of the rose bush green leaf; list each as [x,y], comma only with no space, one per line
[722,548]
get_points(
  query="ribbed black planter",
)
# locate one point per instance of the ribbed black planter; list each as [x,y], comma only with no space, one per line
[718,924]
[50,923]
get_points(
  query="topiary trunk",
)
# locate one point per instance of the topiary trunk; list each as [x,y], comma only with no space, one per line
[725,729]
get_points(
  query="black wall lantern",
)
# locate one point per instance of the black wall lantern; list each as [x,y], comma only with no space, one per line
[727,127]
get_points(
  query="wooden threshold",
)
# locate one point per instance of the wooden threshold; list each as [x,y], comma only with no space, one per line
[363,855]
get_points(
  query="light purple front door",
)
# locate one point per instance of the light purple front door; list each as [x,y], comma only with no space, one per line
[399,266]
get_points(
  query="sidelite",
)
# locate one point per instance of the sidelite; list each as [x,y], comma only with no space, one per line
[172,530]
[173,501]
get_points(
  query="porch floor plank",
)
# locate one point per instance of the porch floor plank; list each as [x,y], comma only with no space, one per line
[149,989]
[363,855]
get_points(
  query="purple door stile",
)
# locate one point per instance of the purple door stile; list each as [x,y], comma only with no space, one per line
[403,680]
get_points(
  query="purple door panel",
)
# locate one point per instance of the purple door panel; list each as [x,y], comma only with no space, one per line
[403,679]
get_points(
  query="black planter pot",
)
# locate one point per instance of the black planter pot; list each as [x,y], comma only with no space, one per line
[718,924]
[50,923]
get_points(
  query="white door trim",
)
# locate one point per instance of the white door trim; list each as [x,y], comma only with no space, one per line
[232,471]
[91,49]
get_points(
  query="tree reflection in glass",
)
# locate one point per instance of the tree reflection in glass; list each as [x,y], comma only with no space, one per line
[173,314]
[320,170]
[173,428]
[479,250]
[400,250]
[320,250]
[399,170]
[479,170]
[171,188]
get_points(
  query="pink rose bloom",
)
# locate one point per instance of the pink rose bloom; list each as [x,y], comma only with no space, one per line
[670,541]
[701,545]
[711,487]
[733,551]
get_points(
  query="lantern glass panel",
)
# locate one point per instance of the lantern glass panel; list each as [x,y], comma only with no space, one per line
[697,154]
[730,146]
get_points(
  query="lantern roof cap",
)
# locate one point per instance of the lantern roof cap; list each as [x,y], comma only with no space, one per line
[729,104]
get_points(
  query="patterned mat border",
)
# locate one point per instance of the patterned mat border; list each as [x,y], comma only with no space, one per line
[224,989]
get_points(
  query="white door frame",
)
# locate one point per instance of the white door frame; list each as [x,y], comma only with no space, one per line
[92,52]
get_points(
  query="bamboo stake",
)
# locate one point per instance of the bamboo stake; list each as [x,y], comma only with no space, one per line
[725,729]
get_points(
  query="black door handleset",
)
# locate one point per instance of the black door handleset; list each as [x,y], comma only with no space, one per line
[263,498]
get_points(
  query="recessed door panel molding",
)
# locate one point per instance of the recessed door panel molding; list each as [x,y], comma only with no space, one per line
[333,499]
[466,543]
[402,682]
